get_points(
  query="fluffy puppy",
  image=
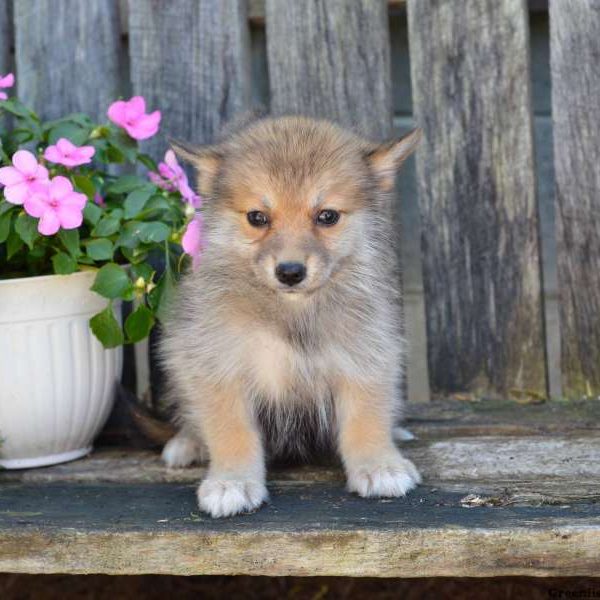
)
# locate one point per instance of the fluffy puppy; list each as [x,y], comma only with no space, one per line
[287,338]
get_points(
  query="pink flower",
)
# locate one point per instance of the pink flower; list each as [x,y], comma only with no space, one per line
[19,179]
[57,205]
[131,116]
[172,177]
[6,82]
[67,154]
[192,242]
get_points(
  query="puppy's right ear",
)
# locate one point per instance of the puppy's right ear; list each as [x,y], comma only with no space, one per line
[205,159]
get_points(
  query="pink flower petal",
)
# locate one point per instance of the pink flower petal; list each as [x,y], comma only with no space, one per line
[10,176]
[74,200]
[49,224]
[42,174]
[86,151]
[7,81]
[3,96]
[59,187]
[145,127]
[36,204]
[191,241]
[135,108]
[17,194]
[25,162]
[53,154]
[65,146]
[171,159]
[70,216]
[116,112]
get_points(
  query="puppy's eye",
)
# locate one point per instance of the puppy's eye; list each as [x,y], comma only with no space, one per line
[328,217]
[257,218]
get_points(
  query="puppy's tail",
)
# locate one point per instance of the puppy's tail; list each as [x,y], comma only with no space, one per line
[156,430]
[135,422]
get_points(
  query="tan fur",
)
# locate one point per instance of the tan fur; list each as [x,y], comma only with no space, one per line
[257,367]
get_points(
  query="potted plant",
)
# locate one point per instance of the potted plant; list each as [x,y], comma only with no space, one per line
[79,236]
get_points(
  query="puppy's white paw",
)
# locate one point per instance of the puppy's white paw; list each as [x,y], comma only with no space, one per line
[182,451]
[389,476]
[223,497]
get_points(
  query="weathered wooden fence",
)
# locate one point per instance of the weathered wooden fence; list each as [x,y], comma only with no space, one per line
[331,58]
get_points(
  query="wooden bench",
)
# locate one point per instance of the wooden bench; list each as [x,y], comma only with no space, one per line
[508,490]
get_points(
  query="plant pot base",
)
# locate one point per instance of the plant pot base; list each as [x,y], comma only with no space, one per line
[43,461]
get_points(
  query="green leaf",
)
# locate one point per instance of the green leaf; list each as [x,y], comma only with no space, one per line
[80,119]
[26,228]
[92,213]
[139,323]
[108,225]
[5,219]
[125,184]
[5,206]
[153,232]
[16,108]
[160,297]
[143,270]
[100,249]
[70,240]
[111,154]
[148,162]
[129,235]
[73,132]
[128,146]
[13,244]
[112,281]
[157,202]
[134,255]
[136,201]
[63,263]
[106,328]
[85,185]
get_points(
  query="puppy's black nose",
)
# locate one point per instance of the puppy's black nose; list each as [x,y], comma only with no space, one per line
[290,273]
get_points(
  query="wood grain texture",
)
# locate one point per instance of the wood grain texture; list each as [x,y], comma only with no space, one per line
[575,58]
[191,59]
[481,256]
[506,460]
[6,33]
[305,530]
[529,505]
[331,59]
[67,55]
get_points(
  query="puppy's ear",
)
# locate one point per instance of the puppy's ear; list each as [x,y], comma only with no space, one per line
[205,159]
[385,160]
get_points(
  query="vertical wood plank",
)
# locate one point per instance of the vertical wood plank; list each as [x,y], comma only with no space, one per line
[5,37]
[470,76]
[331,59]
[67,55]
[575,54]
[191,59]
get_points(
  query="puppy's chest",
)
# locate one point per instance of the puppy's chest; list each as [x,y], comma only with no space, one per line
[281,368]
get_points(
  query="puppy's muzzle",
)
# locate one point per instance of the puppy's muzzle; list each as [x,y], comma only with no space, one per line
[290,273]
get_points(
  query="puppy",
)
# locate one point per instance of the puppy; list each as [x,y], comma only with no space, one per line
[287,338]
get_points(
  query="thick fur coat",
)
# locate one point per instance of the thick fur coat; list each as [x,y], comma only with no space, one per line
[261,366]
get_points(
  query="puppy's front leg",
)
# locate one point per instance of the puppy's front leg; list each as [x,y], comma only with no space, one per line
[374,466]
[235,481]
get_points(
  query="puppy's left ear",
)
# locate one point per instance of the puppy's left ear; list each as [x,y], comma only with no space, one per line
[385,160]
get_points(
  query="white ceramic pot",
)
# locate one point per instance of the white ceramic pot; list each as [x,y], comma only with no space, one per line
[57,382]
